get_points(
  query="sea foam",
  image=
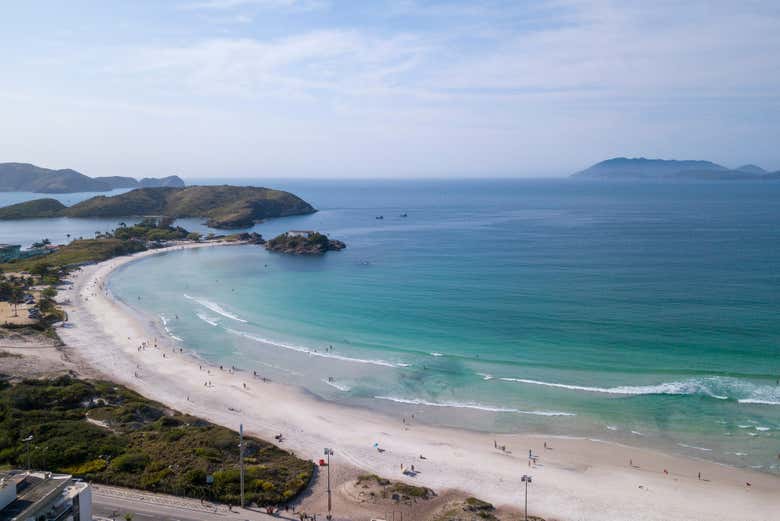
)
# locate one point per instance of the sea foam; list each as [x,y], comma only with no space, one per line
[311,352]
[720,388]
[469,405]
[207,319]
[216,308]
[341,387]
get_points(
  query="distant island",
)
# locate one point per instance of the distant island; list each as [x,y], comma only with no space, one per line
[24,177]
[303,242]
[621,168]
[222,206]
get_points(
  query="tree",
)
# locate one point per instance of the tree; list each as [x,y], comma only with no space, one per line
[41,269]
[17,294]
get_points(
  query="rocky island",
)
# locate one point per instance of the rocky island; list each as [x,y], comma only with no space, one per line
[304,242]
[222,206]
[640,168]
[24,177]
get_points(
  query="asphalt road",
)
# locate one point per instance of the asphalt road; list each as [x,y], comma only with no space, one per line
[114,503]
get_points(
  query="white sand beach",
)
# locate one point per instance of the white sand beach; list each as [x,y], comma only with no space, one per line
[575,479]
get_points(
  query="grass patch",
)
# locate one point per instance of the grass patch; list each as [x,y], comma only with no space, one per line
[146,446]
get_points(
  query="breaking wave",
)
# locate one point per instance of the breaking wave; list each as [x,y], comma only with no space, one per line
[311,352]
[720,388]
[341,387]
[216,308]
[207,319]
[467,405]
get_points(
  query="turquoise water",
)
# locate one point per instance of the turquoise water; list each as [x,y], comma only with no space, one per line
[641,313]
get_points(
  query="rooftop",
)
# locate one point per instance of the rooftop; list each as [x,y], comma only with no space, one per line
[30,488]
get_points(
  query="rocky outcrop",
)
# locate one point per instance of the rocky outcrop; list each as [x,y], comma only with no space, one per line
[303,243]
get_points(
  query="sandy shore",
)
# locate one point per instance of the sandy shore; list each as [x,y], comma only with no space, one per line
[576,479]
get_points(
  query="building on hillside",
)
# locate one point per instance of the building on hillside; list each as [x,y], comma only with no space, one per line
[9,252]
[300,233]
[37,252]
[31,496]
[12,252]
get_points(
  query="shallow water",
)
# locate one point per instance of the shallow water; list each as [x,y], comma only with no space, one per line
[642,313]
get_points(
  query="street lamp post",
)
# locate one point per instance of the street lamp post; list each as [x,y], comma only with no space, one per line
[241,459]
[28,440]
[328,453]
[526,479]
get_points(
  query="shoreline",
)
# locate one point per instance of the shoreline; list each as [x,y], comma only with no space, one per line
[577,479]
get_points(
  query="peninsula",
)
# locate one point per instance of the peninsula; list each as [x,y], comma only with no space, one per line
[640,168]
[25,177]
[222,206]
[303,243]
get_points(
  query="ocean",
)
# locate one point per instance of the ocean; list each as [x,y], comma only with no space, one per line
[641,313]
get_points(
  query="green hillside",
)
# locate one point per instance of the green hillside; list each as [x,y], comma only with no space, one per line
[33,209]
[223,206]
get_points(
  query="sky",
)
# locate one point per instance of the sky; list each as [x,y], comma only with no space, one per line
[373,88]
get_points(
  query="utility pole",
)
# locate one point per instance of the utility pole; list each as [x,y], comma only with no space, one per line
[526,479]
[241,459]
[328,453]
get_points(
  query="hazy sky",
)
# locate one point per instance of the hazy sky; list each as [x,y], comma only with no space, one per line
[274,88]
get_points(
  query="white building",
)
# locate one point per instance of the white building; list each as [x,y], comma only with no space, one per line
[300,233]
[31,496]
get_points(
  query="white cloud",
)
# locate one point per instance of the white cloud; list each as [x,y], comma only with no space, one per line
[342,62]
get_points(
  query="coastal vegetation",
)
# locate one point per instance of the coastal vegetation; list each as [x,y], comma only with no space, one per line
[222,206]
[389,488]
[106,433]
[303,243]
[125,240]
[24,177]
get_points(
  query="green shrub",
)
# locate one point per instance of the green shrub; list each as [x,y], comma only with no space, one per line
[130,462]
[145,447]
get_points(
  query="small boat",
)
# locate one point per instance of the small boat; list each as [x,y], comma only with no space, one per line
[404,215]
[380,216]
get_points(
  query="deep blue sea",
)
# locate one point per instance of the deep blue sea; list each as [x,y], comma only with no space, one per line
[636,312]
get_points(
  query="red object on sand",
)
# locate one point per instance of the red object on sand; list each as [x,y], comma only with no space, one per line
[322,463]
